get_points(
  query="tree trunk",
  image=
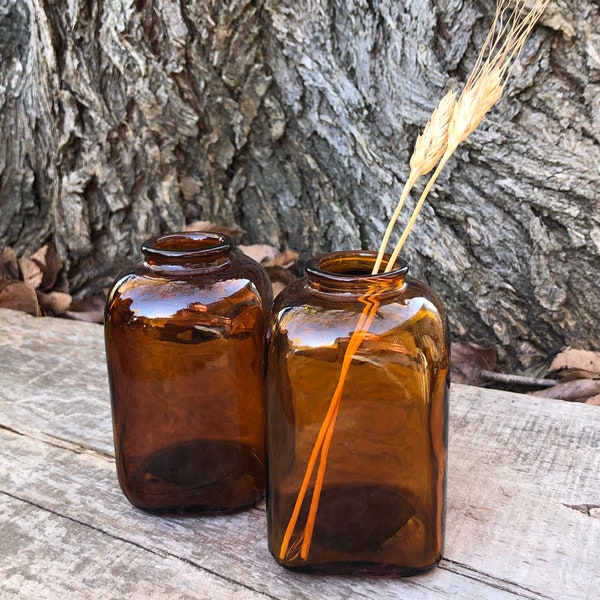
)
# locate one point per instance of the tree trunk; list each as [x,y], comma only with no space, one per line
[295,121]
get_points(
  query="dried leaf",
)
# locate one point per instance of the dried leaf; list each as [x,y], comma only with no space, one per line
[49,264]
[269,256]
[31,272]
[468,360]
[285,259]
[594,400]
[55,303]
[19,296]
[578,390]
[90,316]
[582,363]
[9,264]
[209,227]
[277,286]
[261,253]
[279,277]
[90,309]
[281,274]
[276,263]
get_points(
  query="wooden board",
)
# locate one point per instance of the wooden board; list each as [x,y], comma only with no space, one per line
[523,475]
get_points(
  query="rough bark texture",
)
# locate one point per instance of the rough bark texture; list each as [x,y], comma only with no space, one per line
[295,121]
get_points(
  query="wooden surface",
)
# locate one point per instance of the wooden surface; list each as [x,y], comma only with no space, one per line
[523,498]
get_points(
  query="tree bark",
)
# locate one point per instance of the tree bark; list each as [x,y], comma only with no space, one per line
[294,121]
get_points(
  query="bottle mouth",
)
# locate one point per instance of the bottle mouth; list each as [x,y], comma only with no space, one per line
[187,245]
[353,266]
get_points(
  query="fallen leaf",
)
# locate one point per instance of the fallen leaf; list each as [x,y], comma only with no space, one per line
[49,264]
[19,296]
[282,274]
[593,400]
[209,227]
[279,277]
[580,363]
[577,390]
[31,272]
[269,256]
[285,259]
[89,316]
[9,264]
[468,360]
[90,309]
[261,253]
[55,303]
[277,286]
[276,263]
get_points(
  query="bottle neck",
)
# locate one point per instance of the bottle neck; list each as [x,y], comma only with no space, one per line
[348,272]
[184,251]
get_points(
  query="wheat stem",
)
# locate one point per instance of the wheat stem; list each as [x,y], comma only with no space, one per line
[410,182]
[416,211]
[429,148]
[366,318]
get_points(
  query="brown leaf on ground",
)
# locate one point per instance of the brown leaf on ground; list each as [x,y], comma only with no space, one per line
[285,259]
[279,277]
[577,390]
[269,256]
[49,264]
[19,296]
[593,400]
[277,264]
[261,253]
[89,309]
[31,272]
[54,303]
[9,264]
[210,227]
[469,360]
[576,364]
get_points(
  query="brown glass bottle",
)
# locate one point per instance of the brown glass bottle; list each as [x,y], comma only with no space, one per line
[184,332]
[357,395]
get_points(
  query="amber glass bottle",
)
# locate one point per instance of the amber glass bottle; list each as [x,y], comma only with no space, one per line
[358,382]
[184,334]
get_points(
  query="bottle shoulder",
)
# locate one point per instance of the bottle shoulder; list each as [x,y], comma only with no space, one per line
[152,293]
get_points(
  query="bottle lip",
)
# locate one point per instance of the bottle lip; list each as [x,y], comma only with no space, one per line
[353,266]
[187,245]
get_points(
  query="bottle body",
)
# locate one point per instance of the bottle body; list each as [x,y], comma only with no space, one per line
[357,420]
[184,334]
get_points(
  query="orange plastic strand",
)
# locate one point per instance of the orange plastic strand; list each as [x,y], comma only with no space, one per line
[355,341]
[323,440]
[364,317]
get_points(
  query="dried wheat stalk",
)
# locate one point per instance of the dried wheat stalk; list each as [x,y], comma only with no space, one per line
[429,149]
[482,90]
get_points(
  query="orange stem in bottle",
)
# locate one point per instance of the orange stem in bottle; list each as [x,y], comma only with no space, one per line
[325,434]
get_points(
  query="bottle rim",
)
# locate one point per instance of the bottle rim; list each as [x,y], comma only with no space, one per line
[353,266]
[187,245]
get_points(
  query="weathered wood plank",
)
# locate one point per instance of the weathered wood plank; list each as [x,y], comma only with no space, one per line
[522,472]
[53,379]
[52,557]
[81,487]
[518,465]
